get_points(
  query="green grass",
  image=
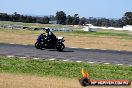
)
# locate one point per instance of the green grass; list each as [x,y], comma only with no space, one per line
[63,69]
[101,33]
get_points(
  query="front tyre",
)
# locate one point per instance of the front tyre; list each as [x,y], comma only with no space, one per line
[37,45]
[60,46]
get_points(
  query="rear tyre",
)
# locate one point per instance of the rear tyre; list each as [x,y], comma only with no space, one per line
[60,46]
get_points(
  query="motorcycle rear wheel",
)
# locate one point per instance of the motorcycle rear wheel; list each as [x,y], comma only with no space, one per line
[60,46]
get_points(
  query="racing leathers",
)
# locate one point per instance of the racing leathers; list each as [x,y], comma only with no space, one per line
[50,38]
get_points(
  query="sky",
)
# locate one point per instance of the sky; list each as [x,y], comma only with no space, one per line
[85,8]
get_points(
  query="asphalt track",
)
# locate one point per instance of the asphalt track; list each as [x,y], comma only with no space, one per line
[71,54]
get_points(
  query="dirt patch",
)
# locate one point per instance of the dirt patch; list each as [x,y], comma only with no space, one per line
[99,43]
[23,81]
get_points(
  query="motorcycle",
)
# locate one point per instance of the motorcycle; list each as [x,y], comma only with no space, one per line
[42,44]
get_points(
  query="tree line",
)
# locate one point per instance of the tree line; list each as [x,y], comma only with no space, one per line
[15,17]
[64,19]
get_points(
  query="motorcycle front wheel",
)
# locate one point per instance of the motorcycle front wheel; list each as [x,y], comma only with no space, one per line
[37,45]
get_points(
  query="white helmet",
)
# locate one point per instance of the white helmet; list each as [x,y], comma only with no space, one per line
[46,29]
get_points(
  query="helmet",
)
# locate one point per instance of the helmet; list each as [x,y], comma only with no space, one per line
[47,29]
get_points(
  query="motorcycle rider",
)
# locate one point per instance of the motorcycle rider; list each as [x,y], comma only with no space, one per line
[42,36]
[50,37]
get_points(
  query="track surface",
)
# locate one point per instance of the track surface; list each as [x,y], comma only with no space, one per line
[74,54]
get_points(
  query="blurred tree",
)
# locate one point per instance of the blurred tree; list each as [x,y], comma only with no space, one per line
[127,18]
[75,19]
[4,17]
[60,17]
[16,17]
[82,21]
[69,20]
[45,20]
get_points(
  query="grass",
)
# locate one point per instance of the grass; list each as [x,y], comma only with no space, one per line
[30,81]
[63,69]
[100,33]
